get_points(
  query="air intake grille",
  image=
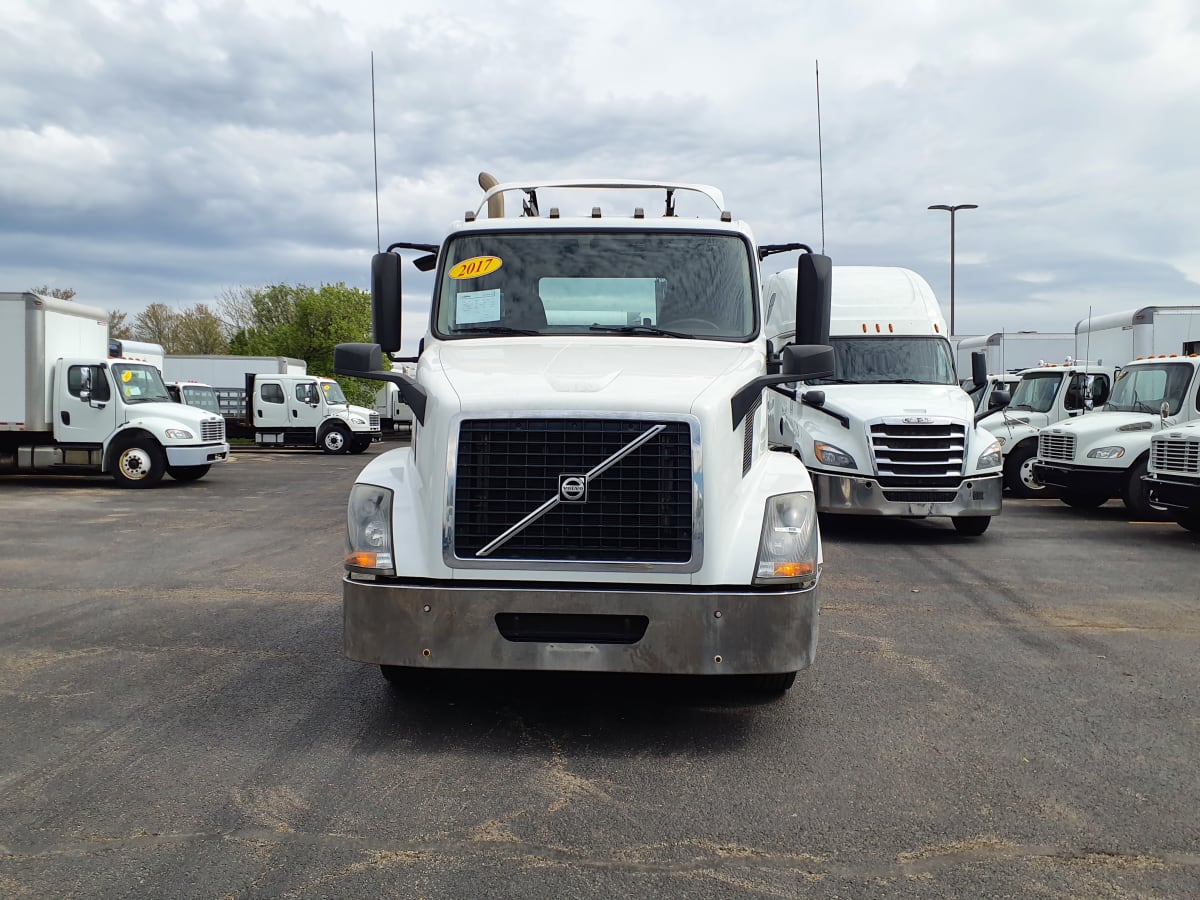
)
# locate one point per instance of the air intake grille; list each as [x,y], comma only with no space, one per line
[373,422]
[638,510]
[1169,455]
[926,453]
[1056,446]
[212,430]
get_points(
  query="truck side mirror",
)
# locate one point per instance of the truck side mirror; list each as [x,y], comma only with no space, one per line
[979,373]
[386,300]
[1099,391]
[999,399]
[814,294]
[807,361]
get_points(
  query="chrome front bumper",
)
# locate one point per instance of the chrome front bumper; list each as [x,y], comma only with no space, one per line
[856,495]
[688,632]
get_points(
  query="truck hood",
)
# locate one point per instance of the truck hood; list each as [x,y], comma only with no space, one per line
[876,401]
[651,374]
[189,416]
[1002,426]
[1106,423]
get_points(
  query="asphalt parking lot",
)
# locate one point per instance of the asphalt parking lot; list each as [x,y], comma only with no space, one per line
[1011,715]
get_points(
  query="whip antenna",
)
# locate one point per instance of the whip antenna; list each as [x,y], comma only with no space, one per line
[375,154]
[820,156]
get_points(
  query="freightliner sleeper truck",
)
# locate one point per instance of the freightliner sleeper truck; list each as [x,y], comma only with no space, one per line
[67,408]
[890,432]
[589,486]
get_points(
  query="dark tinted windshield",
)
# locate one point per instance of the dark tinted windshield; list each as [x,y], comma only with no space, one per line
[631,283]
[891,360]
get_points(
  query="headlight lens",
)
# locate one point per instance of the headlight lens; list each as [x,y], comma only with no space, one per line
[369,530]
[992,457]
[178,434]
[1106,453]
[357,420]
[787,546]
[833,456]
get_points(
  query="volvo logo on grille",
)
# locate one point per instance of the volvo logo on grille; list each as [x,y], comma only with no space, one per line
[572,488]
[918,420]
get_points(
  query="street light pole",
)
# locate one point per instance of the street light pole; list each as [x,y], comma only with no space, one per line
[952,210]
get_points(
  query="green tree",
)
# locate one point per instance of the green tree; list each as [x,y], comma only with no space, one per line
[157,324]
[46,291]
[118,328]
[199,330]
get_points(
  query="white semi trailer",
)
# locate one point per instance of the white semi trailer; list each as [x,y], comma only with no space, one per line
[67,408]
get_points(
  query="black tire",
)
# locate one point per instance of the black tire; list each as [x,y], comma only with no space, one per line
[406,678]
[971,526]
[776,683]
[1135,497]
[336,440]
[188,473]
[138,463]
[1080,500]
[1189,520]
[1018,472]
[358,445]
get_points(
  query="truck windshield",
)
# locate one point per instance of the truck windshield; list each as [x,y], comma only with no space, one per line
[1036,392]
[637,284]
[891,360]
[203,397]
[1146,388]
[333,392]
[139,383]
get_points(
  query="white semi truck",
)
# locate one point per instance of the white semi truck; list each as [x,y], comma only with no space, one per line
[589,485]
[890,433]
[67,408]
[1172,479]
[1043,395]
[272,400]
[1092,458]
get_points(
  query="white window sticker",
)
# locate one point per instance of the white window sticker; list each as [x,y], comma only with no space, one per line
[477,306]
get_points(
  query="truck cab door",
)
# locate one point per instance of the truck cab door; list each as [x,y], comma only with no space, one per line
[84,408]
[270,404]
[305,405]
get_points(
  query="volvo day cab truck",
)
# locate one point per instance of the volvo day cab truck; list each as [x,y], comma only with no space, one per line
[589,485]
[1172,479]
[69,409]
[890,432]
[1043,395]
[1105,454]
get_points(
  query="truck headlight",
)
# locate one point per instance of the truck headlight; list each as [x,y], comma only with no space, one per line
[178,434]
[357,420]
[787,546]
[992,456]
[369,530]
[833,456]
[1106,453]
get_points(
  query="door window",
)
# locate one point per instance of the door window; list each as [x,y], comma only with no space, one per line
[271,393]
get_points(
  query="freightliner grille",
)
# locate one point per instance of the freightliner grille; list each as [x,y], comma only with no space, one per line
[925,455]
[1056,446]
[639,510]
[374,422]
[212,430]
[1170,455]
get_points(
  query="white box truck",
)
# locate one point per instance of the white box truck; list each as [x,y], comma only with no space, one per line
[272,400]
[1006,353]
[891,433]
[1093,458]
[588,485]
[1173,474]
[69,409]
[1043,395]
[137,351]
[1116,338]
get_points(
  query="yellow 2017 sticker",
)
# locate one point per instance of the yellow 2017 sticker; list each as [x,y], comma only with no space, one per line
[475,267]
[127,375]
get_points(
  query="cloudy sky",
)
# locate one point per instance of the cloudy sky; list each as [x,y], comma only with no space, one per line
[166,151]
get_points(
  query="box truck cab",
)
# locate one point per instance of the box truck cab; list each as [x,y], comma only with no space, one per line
[70,409]
[1093,458]
[195,393]
[891,432]
[1173,474]
[589,485]
[1043,395]
[308,411]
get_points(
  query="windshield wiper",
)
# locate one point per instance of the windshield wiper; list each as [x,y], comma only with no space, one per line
[897,381]
[637,329]
[490,329]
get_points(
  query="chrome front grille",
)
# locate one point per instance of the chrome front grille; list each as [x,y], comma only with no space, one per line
[212,430]
[373,421]
[1056,446]
[641,509]
[928,454]
[1171,455]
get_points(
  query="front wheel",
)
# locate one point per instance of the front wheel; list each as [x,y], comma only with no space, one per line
[139,463]
[972,526]
[1189,520]
[1080,500]
[1018,472]
[358,445]
[335,440]
[1136,500]
[187,473]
